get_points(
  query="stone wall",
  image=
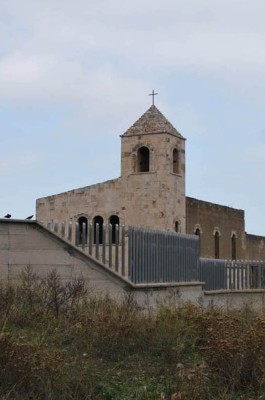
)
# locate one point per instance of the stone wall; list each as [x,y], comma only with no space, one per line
[154,199]
[102,199]
[209,218]
[255,247]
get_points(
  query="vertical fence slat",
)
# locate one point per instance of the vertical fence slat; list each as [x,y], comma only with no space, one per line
[103,243]
[90,239]
[116,247]
[110,246]
[84,228]
[123,250]
[97,242]
[159,256]
[76,233]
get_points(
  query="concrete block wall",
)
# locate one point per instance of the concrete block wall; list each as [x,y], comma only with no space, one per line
[26,243]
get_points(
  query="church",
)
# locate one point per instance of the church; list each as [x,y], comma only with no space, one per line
[151,193]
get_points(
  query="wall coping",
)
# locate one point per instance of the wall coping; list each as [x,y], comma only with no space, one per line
[19,221]
[232,292]
[167,284]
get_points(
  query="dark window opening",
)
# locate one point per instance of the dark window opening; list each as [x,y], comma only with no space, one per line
[177,226]
[143,159]
[81,221]
[98,220]
[233,242]
[176,161]
[198,232]
[216,245]
[114,220]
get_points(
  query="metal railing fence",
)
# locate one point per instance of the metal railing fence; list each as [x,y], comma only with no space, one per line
[158,256]
[232,274]
[97,241]
[155,256]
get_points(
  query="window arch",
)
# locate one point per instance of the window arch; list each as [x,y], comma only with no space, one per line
[98,220]
[175,159]
[233,246]
[217,244]
[143,159]
[114,220]
[81,221]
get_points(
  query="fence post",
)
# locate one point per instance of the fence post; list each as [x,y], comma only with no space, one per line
[70,231]
[123,250]
[97,241]
[246,276]
[84,233]
[76,233]
[116,247]
[90,239]
[110,246]
[63,229]
[103,243]
[259,275]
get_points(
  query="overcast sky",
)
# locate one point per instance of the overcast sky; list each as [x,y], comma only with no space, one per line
[74,75]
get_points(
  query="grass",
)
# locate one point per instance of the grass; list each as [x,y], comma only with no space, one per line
[58,341]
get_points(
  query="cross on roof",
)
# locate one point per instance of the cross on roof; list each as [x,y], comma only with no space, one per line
[153,94]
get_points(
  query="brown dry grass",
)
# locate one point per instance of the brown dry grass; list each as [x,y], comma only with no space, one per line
[57,341]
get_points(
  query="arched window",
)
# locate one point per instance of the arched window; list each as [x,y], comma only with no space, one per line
[216,244]
[81,221]
[177,225]
[198,232]
[143,159]
[98,220]
[233,244]
[175,161]
[114,220]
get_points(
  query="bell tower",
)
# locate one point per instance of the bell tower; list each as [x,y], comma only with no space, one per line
[153,173]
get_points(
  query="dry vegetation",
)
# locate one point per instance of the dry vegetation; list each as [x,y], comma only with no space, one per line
[59,342]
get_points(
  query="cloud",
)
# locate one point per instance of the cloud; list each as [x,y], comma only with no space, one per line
[98,57]
[162,34]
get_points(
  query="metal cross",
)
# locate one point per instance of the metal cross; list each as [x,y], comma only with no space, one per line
[153,94]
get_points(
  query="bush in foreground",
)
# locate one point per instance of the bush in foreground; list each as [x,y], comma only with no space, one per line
[58,341]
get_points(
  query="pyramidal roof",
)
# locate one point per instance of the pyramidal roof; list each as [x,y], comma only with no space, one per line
[152,121]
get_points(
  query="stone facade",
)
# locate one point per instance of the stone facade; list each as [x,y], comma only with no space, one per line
[214,222]
[151,193]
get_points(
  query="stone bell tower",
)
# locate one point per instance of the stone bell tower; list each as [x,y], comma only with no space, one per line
[153,173]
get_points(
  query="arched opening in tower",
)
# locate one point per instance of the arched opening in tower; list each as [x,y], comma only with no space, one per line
[143,159]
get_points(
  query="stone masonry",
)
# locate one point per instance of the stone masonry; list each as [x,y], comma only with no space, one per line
[151,193]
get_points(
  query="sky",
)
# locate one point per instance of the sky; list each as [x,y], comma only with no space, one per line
[75,75]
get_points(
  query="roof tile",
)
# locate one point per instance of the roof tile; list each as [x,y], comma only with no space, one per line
[152,121]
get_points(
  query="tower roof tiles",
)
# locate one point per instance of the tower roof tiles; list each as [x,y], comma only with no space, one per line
[152,121]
